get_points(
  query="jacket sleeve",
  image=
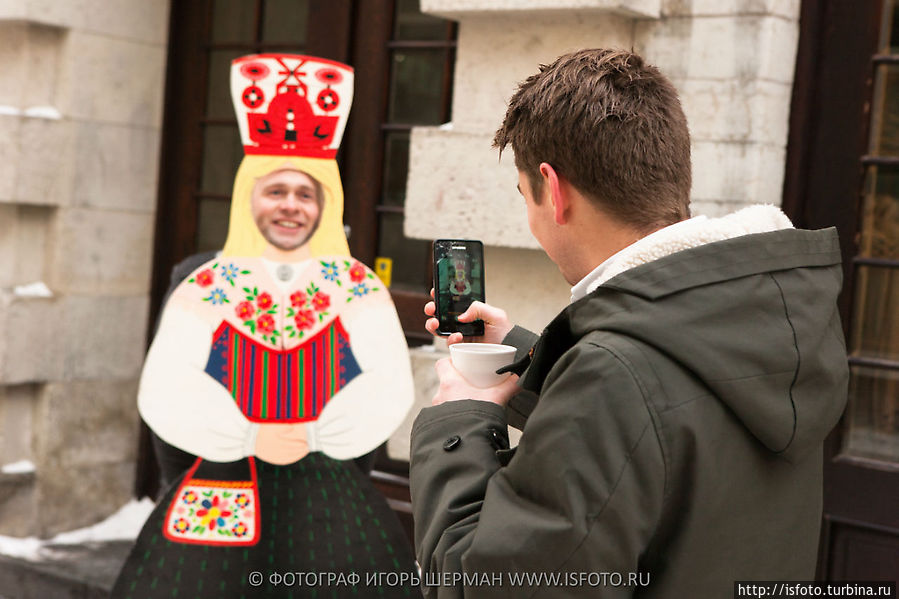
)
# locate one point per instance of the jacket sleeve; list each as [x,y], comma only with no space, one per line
[521,339]
[583,492]
[184,405]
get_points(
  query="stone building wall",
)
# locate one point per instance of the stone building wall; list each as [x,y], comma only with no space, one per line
[731,60]
[81,89]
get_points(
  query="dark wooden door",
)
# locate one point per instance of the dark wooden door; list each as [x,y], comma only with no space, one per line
[403,61]
[843,171]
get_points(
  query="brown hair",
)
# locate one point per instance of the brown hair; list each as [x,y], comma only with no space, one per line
[612,126]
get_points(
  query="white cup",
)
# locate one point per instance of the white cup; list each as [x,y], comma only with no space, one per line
[478,362]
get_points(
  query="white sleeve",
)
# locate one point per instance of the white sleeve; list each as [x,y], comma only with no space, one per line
[183,404]
[364,413]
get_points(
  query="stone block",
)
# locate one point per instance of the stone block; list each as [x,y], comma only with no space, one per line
[13,39]
[745,48]
[461,9]
[17,407]
[729,110]
[18,507]
[46,150]
[714,208]
[69,498]
[112,80]
[497,53]
[41,59]
[738,172]
[458,188]
[23,234]
[9,216]
[31,340]
[119,167]
[101,252]
[426,383]
[526,284]
[86,423]
[788,9]
[102,337]
[9,155]
[29,63]
[131,19]
[13,10]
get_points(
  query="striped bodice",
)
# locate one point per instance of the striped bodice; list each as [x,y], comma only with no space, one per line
[282,385]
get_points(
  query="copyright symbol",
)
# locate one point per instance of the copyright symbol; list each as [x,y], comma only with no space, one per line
[255,579]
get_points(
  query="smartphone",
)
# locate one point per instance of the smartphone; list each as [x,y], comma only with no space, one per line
[458,281]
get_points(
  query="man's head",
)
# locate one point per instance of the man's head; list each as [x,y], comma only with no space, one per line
[286,205]
[610,125]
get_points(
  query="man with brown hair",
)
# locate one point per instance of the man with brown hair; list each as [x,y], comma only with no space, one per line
[674,413]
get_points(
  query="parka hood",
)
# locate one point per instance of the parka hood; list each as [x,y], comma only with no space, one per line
[753,317]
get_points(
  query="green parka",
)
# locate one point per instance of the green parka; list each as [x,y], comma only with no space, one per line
[673,438]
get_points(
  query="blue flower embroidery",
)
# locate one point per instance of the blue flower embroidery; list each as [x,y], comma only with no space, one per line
[229,272]
[329,271]
[217,297]
[360,290]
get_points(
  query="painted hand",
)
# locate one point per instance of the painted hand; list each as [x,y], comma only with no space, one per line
[281,444]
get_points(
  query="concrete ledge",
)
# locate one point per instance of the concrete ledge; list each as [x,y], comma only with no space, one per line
[18,511]
[460,9]
[66,572]
[458,188]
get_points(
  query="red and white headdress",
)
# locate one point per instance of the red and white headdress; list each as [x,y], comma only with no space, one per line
[291,105]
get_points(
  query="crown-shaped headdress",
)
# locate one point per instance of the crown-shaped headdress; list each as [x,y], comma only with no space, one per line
[291,105]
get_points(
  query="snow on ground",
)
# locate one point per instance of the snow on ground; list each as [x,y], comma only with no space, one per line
[124,524]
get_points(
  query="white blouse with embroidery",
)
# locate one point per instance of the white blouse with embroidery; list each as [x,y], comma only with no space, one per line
[279,307]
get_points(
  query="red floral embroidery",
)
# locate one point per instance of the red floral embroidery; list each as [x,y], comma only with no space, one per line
[321,301]
[204,278]
[245,310]
[357,272]
[305,319]
[297,299]
[214,513]
[265,323]
[264,301]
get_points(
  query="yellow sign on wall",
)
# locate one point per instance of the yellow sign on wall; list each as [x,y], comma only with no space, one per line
[384,269]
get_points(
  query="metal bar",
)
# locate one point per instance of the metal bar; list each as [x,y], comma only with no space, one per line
[885,59]
[218,122]
[863,261]
[859,523]
[421,44]
[257,47]
[397,126]
[202,195]
[874,362]
[868,160]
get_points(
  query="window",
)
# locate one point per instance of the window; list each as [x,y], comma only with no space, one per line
[404,63]
[873,415]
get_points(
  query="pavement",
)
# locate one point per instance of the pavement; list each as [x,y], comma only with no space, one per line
[85,571]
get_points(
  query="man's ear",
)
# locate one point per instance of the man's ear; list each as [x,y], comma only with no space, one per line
[557,193]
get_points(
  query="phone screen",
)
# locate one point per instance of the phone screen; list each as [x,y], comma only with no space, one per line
[458,281]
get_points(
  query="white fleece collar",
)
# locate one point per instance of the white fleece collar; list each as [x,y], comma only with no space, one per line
[686,234]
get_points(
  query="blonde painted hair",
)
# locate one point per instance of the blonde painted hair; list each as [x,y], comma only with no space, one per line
[244,237]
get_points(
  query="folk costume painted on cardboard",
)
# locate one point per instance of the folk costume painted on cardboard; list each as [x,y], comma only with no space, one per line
[274,363]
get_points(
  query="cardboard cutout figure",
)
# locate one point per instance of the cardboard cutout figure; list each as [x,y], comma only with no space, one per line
[273,364]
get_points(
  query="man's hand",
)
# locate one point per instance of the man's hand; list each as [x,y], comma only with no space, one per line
[496,323]
[454,387]
[279,443]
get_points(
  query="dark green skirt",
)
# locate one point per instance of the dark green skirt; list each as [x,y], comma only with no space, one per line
[323,531]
